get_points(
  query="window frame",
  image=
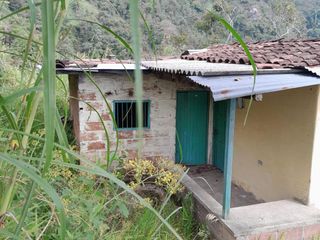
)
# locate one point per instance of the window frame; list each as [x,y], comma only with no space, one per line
[114,102]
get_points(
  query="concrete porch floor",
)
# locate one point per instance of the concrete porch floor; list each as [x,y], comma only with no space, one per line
[279,220]
[210,179]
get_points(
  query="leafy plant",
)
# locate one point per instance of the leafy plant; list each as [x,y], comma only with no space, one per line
[44,192]
[26,160]
[153,179]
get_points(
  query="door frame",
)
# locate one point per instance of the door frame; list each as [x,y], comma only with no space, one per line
[225,104]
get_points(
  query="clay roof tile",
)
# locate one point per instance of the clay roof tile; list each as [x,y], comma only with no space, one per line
[285,53]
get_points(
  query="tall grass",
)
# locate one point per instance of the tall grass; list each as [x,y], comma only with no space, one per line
[26,159]
[246,50]
[15,159]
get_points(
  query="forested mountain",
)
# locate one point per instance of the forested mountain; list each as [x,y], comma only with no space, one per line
[310,10]
[175,25]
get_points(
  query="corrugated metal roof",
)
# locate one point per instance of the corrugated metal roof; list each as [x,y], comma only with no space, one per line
[314,70]
[203,68]
[101,68]
[228,87]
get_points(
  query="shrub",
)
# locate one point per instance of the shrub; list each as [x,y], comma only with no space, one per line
[153,178]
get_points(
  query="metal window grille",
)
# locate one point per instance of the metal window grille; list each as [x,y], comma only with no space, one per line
[126,114]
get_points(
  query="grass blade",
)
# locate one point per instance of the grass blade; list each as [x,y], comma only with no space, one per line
[100,172]
[20,10]
[61,17]
[90,78]
[237,36]
[167,218]
[11,120]
[61,133]
[32,8]
[17,94]
[26,206]
[150,36]
[135,31]
[41,182]
[63,5]
[92,168]
[109,161]
[49,77]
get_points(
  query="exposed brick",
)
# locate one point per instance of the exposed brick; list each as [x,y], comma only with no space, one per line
[131,154]
[292,234]
[132,141]
[93,126]
[96,145]
[106,117]
[311,232]
[96,105]
[87,96]
[148,134]
[125,134]
[89,136]
[264,236]
[220,231]
[159,140]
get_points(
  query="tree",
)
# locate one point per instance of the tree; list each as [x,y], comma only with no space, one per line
[286,20]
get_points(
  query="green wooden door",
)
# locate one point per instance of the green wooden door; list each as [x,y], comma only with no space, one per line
[219,133]
[192,127]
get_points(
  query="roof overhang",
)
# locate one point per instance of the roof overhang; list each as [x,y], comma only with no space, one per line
[112,67]
[228,87]
[203,68]
[315,70]
[226,81]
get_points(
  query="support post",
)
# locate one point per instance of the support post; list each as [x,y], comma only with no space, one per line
[231,115]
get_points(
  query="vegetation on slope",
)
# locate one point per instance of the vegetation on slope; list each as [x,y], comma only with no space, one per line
[41,184]
[44,192]
[178,25]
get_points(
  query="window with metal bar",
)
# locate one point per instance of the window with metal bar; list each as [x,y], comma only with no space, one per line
[125,113]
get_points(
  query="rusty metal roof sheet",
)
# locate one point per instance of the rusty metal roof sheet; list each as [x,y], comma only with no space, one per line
[94,65]
[104,67]
[228,87]
[267,54]
[88,63]
[202,68]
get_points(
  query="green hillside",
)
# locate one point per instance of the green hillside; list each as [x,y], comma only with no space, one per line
[178,25]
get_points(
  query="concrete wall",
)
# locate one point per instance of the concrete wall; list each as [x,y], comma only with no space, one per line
[158,141]
[314,190]
[273,152]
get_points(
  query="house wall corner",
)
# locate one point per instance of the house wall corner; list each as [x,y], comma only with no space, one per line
[74,105]
[314,191]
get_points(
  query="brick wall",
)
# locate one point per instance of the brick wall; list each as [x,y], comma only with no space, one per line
[157,141]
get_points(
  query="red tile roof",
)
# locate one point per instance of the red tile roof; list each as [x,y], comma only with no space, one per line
[267,54]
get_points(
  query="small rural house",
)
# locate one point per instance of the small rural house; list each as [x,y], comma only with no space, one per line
[194,109]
